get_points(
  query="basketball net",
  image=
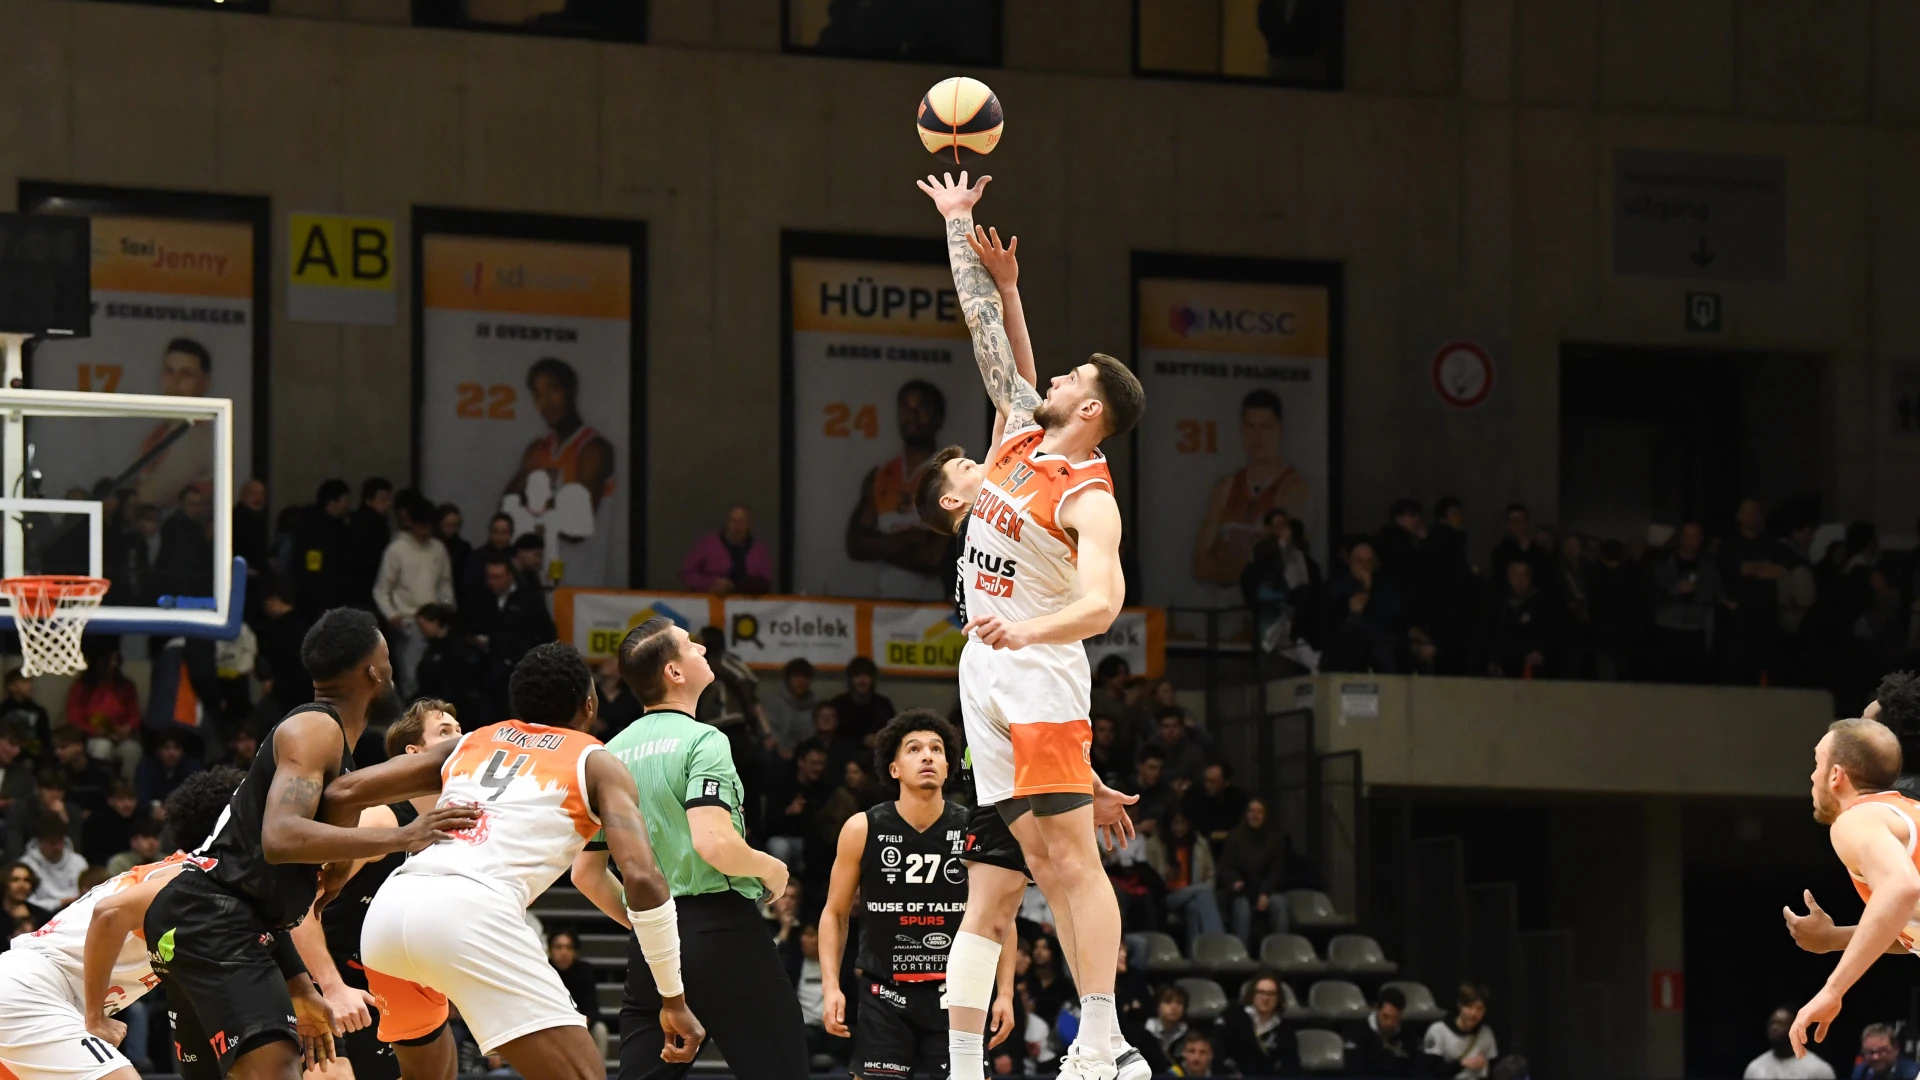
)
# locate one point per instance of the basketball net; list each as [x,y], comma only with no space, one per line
[51,612]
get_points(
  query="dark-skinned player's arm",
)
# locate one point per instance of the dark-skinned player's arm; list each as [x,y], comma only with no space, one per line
[1094,516]
[593,875]
[1816,933]
[1869,848]
[833,921]
[611,793]
[122,913]
[1013,396]
[306,747]
[347,1006]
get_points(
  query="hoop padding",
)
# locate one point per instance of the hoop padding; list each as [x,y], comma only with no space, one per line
[51,612]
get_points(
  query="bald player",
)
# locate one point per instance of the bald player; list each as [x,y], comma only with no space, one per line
[1876,832]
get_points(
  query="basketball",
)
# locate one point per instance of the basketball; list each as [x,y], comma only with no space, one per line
[960,120]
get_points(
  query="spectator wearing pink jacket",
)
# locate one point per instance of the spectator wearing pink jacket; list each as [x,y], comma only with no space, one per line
[729,560]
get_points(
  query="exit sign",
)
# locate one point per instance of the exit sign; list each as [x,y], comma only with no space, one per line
[1703,312]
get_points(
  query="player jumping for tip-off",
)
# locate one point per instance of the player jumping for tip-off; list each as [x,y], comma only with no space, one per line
[1039,575]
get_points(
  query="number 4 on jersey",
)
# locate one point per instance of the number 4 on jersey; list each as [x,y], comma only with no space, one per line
[491,776]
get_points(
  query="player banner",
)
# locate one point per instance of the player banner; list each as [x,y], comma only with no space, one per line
[882,373]
[769,631]
[173,313]
[1237,378]
[525,387]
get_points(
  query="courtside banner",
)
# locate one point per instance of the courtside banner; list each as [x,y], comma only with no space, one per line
[882,374]
[1237,376]
[173,313]
[525,384]
[769,631]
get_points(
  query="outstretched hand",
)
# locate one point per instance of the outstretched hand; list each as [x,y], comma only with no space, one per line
[951,198]
[998,260]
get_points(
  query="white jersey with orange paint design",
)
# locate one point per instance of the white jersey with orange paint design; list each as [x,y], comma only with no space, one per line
[529,782]
[1908,813]
[63,940]
[1026,710]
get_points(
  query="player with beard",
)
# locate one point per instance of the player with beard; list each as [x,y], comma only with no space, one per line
[412,1039]
[1039,575]
[218,936]
[61,985]
[1876,833]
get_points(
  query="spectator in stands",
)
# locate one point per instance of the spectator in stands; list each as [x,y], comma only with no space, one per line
[1048,981]
[508,619]
[823,1049]
[447,524]
[1752,564]
[1105,754]
[732,700]
[1278,584]
[163,769]
[619,708]
[21,712]
[863,711]
[859,791]
[252,531]
[729,559]
[1688,591]
[1524,631]
[124,558]
[449,667]
[1216,806]
[103,703]
[1167,1027]
[563,952]
[1520,542]
[53,857]
[414,571]
[1196,1056]
[1614,605]
[1185,762]
[1778,1062]
[184,566]
[280,631]
[1453,587]
[1184,861]
[1379,1047]
[1251,874]
[1880,1058]
[530,562]
[143,846]
[1254,1043]
[1110,679]
[50,801]
[1398,546]
[320,560]
[789,710]
[1149,782]
[1463,1045]
[17,902]
[86,780]
[369,532]
[109,832]
[828,738]
[242,746]
[499,545]
[794,799]
[1367,617]
[1570,589]
[16,771]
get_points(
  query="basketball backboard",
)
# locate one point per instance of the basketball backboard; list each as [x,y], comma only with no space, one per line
[135,488]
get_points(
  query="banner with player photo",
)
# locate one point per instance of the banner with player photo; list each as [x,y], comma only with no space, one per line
[1242,382]
[174,304]
[880,373]
[526,386]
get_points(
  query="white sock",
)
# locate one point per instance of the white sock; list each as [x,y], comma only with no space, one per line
[964,1055]
[1099,1032]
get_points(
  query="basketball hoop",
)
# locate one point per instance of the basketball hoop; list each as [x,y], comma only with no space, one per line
[51,612]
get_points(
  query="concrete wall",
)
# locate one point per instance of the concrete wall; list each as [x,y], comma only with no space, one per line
[1462,178]
[1614,738]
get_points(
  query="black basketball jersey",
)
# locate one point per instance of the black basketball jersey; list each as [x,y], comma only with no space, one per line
[280,892]
[915,888]
[344,916]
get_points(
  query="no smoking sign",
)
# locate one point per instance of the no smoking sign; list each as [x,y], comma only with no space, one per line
[1462,374]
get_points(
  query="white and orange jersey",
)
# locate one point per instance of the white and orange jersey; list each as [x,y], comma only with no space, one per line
[1019,561]
[63,939]
[529,782]
[1908,811]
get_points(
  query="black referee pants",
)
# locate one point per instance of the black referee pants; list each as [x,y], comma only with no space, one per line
[735,984]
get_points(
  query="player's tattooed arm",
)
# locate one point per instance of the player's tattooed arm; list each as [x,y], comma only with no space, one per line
[980,302]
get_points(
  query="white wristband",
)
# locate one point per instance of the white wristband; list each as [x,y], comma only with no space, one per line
[658,931]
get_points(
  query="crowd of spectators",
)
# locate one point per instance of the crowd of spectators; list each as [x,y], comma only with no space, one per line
[1748,601]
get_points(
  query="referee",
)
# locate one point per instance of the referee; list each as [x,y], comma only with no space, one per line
[691,796]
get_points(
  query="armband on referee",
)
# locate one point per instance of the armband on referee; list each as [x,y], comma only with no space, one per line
[658,931]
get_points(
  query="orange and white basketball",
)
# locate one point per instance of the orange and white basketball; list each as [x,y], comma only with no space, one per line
[960,120]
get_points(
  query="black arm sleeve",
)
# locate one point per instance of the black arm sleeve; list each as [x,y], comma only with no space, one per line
[285,956]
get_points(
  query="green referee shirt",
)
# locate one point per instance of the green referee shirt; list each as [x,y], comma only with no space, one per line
[677,763]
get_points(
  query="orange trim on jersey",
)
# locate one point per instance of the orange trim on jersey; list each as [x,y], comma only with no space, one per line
[552,758]
[407,1009]
[1039,484]
[1911,810]
[1052,758]
[921,977]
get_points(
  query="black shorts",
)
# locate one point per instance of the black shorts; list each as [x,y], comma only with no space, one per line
[371,1058]
[224,991]
[989,841]
[901,1027]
